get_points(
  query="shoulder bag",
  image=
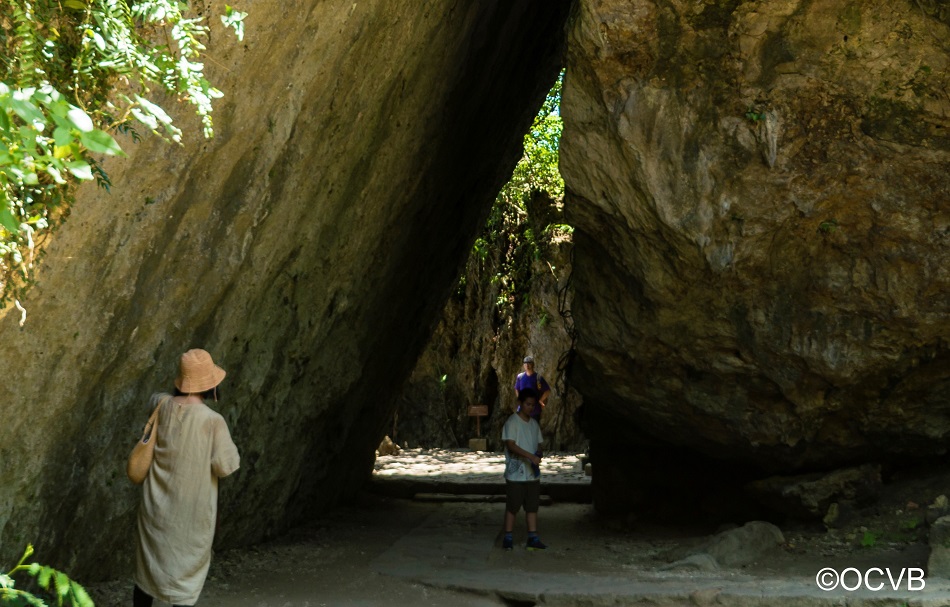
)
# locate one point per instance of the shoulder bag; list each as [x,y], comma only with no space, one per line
[140,460]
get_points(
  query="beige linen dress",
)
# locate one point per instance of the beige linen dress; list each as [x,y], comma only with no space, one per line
[180,500]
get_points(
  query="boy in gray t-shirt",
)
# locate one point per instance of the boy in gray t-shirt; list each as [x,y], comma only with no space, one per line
[522,438]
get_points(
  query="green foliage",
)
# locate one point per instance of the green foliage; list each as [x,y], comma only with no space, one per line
[509,243]
[65,590]
[754,115]
[537,169]
[869,539]
[71,71]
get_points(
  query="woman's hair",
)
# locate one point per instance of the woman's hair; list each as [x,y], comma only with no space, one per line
[212,394]
[527,393]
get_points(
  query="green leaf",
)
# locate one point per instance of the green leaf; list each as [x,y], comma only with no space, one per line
[147,119]
[235,19]
[80,119]
[81,598]
[81,170]
[62,584]
[9,222]
[58,107]
[23,108]
[55,174]
[62,137]
[43,578]
[101,142]
[75,4]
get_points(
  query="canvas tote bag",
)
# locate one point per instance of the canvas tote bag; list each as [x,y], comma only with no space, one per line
[140,460]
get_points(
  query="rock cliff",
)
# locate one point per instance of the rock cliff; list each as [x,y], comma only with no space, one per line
[761,198]
[309,247]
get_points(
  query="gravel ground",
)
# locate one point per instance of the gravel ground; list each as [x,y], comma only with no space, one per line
[464,466]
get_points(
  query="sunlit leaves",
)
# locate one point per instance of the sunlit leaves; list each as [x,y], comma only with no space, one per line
[60,63]
[80,170]
[41,134]
[100,142]
[507,234]
[80,119]
[57,583]
[8,219]
[234,19]
[537,169]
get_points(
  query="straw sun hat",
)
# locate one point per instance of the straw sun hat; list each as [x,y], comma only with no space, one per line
[197,372]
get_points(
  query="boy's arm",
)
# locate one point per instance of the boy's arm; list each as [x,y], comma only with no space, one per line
[514,448]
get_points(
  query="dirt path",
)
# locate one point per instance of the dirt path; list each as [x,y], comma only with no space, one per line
[400,553]
[327,563]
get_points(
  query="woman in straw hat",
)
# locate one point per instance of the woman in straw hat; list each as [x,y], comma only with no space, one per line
[177,516]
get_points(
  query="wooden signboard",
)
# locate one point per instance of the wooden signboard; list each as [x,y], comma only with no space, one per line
[478,411]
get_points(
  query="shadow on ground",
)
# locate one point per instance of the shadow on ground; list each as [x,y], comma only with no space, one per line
[401,552]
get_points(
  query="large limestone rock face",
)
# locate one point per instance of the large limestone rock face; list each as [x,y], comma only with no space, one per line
[761,197]
[309,247]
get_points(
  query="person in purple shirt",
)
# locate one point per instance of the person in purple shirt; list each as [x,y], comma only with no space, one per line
[530,379]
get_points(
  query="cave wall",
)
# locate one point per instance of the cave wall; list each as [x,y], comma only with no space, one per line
[309,247]
[761,199]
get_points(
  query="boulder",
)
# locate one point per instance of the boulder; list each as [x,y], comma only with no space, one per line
[810,496]
[387,447]
[758,192]
[745,545]
[732,548]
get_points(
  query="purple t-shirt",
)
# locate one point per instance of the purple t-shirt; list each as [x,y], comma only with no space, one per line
[536,383]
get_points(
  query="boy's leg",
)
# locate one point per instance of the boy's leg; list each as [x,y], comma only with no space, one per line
[532,502]
[531,505]
[532,519]
[514,497]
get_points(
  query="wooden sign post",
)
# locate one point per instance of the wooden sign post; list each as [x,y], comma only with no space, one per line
[478,443]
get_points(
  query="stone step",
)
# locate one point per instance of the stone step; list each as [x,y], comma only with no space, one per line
[470,498]
[405,488]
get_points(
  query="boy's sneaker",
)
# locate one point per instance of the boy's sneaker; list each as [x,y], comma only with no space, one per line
[534,543]
[507,543]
